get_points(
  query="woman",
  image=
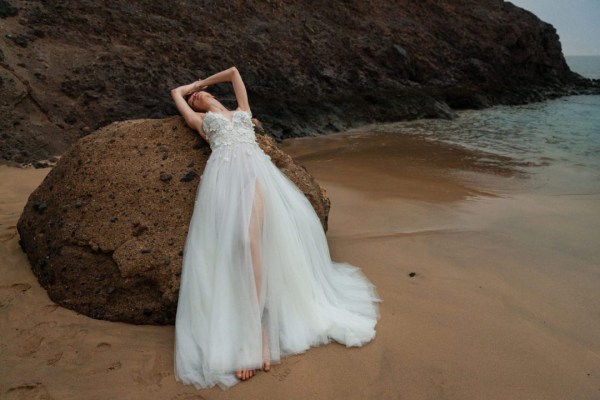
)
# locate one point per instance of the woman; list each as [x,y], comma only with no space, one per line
[257,280]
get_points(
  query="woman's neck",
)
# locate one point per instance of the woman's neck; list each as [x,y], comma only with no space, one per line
[216,106]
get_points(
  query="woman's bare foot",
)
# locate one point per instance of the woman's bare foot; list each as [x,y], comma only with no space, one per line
[266,352]
[244,374]
[266,366]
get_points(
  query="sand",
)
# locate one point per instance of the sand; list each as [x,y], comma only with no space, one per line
[504,303]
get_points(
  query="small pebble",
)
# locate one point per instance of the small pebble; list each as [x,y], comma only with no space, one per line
[165,177]
[40,206]
[189,176]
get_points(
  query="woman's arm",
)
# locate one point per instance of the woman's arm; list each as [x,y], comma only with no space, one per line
[192,118]
[231,75]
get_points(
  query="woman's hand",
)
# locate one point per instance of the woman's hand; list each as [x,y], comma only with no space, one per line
[196,87]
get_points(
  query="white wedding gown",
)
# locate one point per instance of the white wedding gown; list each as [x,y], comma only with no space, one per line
[256,265]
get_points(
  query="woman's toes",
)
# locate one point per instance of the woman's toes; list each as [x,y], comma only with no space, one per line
[245,374]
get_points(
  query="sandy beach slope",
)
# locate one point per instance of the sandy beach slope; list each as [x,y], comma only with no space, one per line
[504,302]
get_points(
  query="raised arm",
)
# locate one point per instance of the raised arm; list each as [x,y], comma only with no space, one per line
[233,75]
[192,118]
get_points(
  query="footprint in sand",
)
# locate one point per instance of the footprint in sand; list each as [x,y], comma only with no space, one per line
[115,366]
[187,396]
[103,367]
[102,346]
[8,235]
[50,308]
[28,391]
[29,340]
[9,292]
[154,368]
[281,372]
[55,359]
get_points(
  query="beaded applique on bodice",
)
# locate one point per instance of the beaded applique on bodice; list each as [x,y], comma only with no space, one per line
[223,132]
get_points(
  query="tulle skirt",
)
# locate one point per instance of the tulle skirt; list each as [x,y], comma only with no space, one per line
[257,280]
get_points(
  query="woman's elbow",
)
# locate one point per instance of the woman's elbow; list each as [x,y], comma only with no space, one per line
[233,71]
[176,94]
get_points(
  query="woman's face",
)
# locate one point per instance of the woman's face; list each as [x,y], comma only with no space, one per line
[200,101]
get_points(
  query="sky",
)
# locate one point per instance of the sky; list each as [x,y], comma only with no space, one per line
[576,21]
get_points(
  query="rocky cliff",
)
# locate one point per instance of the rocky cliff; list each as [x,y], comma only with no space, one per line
[105,231]
[70,67]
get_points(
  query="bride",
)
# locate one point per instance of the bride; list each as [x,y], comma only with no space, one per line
[257,280]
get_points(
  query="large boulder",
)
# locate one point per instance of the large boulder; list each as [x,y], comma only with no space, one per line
[105,230]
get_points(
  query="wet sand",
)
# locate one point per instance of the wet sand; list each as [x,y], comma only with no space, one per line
[503,304]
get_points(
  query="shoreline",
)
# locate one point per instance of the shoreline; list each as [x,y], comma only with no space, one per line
[536,94]
[502,304]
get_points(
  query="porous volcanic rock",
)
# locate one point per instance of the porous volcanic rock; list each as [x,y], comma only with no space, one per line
[69,67]
[105,230]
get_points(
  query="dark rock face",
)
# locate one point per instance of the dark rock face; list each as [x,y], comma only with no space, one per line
[104,232]
[70,67]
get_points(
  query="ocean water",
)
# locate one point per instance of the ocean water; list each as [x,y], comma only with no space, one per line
[555,143]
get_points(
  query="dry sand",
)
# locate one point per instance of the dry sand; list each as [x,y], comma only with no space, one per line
[504,304]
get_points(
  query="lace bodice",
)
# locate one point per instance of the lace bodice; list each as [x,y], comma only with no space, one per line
[223,132]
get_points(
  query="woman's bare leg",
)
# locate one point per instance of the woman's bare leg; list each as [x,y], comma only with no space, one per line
[256,224]
[255,233]
[266,351]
